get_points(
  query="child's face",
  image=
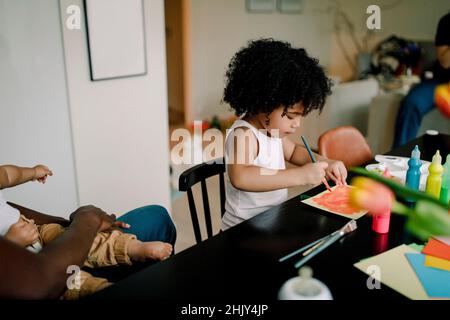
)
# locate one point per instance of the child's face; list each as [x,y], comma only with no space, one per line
[287,123]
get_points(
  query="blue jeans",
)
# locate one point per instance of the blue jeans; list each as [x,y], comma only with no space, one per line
[418,102]
[150,223]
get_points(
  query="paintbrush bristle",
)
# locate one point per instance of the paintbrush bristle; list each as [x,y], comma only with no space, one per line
[349,227]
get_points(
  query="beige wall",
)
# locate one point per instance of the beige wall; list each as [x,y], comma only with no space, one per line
[120,126]
[219,28]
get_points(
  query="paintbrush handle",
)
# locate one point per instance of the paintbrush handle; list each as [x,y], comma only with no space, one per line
[311,155]
[313,248]
[302,249]
[325,182]
[327,243]
[313,159]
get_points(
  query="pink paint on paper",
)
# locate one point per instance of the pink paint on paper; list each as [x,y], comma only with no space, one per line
[337,201]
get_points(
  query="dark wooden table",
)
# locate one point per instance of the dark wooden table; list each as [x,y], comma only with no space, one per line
[242,262]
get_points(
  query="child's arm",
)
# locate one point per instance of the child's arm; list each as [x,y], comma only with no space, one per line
[245,176]
[298,155]
[11,175]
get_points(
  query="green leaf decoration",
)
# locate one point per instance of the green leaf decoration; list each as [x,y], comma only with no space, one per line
[428,219]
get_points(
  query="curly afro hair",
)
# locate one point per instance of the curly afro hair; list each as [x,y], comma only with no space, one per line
[268,74]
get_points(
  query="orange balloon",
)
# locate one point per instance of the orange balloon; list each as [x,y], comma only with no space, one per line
[442,99]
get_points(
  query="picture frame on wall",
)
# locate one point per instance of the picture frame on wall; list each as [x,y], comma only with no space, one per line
[290,6]
[260,6]
[116,38]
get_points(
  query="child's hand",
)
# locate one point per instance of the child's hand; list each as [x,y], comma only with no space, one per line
[337,172]
[41,173]
[23,233]
[313,173]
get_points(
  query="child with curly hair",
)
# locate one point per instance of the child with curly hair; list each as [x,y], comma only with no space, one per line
[271,86]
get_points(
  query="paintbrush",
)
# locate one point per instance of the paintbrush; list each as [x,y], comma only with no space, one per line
[349,227]
[311,246]
[313,159]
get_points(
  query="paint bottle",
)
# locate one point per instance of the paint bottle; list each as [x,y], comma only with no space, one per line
[413,173]
[380,243]
[434,179]
[445,188]
[381,221]
[304,287]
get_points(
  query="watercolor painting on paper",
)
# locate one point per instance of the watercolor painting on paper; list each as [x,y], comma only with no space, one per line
[336,202]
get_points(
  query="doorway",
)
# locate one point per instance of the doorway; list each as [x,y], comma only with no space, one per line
[176,22]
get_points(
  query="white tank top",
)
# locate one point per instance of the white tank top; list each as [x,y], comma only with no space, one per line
[242,205]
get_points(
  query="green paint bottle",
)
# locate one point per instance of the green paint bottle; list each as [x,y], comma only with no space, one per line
[434,179]
[445,188]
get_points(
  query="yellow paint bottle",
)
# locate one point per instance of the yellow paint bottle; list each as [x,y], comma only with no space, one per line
[434,179]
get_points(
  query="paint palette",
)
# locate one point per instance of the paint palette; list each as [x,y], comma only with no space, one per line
[397,167]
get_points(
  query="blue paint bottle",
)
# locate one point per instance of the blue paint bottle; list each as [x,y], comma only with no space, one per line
[413,173]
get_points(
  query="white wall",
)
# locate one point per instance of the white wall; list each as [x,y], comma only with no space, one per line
[34,114]
[410,19]
[120,126]
[219,28]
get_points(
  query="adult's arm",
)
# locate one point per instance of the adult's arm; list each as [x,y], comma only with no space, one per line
[38,217]
[26,275]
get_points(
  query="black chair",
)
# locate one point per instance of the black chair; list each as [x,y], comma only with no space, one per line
[200,173]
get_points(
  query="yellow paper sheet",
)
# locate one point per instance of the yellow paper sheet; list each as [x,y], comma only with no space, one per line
[310,201]
[437,263]
[396,272]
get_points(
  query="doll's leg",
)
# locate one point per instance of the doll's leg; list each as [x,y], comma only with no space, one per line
[110,249]
[83,285]
[49,232]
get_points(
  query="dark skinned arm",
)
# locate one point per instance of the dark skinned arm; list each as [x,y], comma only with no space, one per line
[40,218]
[26,275]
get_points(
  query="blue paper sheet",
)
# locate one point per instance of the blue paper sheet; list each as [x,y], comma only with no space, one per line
[435,282]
